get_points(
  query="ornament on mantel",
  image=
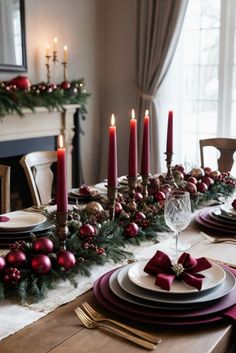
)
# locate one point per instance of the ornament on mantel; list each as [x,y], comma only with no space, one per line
[21,82]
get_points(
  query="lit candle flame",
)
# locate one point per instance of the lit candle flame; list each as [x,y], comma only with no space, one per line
[146,112]
[60,141]
[113,120]
[55,40]
[132,114]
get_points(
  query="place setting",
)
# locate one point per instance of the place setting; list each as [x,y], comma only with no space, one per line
[221,219]
[157,291]
[19,225]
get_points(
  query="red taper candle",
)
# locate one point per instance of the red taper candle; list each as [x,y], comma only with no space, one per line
[169,141]
[133,157]
[112,157]
[61,196]
[145,161]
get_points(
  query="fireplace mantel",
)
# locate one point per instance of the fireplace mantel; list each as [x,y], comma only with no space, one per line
[42,123]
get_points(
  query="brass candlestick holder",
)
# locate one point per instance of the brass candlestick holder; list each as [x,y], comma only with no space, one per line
[48,57]
[61,228]
[65,71]
[54,56]
[145,180]
[132,183]
[169,176]
[111,194]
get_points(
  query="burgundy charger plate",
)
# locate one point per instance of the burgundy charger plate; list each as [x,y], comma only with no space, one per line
[205,216]
[107,299]
[221,229]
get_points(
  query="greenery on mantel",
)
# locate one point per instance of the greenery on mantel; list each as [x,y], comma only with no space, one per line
[18,94]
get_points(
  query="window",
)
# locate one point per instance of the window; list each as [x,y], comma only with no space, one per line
[206,88]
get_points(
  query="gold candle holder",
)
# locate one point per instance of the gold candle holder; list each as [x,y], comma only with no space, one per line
[48,68]
[145,180]
[132,183]
[61,228]
[111,194]
[65,71]
[54,56]
[169,176]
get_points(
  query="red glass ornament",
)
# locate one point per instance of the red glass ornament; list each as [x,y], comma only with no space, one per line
[190,187]
[202,187]
[138,197]
[160,196]
[87,231]
[118,208]
[43,245]
[41,264]
[131,230]
[15,258]
[65,85]
[21,82]
[66,259]
[2,263]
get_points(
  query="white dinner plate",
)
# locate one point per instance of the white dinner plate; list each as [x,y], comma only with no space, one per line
[198,297]
[22,220]
[213,277]
[120,293]
[229,210]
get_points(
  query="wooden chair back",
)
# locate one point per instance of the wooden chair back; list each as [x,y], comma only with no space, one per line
[226,147]
[37,167]
[5,188]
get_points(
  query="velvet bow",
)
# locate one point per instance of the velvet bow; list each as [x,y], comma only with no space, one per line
[186,269]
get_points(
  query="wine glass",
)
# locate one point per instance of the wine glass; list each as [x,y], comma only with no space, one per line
[177,213]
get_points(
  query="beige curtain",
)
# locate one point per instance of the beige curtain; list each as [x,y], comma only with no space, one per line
[159,24]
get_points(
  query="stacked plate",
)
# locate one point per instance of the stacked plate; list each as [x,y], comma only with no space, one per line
[18,225]
[131,293]
[221,219]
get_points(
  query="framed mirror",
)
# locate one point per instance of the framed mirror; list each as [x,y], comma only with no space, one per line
[12,36]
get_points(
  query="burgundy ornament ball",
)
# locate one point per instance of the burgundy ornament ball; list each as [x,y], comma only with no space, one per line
[190,187]
[207,171]
[2,263]
[131,229]
[202,187]
[41,264]
[43,245]
[160,196]
[166,188]
[66,259]
[16,258]
[65,85]
[192,179]
[208,181]
[118,208]
[138,197]
[87,231]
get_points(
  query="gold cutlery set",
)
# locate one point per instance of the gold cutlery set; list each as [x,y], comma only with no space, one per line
[92,319]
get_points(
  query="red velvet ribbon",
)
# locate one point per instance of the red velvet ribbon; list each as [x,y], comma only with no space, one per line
[186,269]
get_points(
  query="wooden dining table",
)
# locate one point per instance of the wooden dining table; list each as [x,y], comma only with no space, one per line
[61,331]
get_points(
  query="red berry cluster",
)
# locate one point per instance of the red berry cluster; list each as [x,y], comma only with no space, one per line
[87,232]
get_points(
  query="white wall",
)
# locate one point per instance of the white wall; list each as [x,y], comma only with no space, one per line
[119,86]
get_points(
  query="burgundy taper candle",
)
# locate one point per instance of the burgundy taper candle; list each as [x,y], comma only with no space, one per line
[61,196]
[145,161]
[133,157]
[112,157]
[169,141]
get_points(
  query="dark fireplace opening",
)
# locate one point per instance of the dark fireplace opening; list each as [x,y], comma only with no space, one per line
[10,154]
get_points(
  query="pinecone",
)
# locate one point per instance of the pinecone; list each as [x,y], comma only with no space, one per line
[18,245]
[12,275]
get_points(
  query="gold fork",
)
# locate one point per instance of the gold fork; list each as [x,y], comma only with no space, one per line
[219,240]
[91,324]
[98,317]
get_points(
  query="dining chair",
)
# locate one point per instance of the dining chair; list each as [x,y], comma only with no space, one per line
[5,188]
[226,147]
[38,170]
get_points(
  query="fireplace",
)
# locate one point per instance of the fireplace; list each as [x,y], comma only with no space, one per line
[38,132]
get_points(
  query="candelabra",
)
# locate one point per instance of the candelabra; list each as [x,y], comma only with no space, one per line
[111,194]
[48,57]
[61,228]
[65,71]
[169,176]
[132,183]
[145,179]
